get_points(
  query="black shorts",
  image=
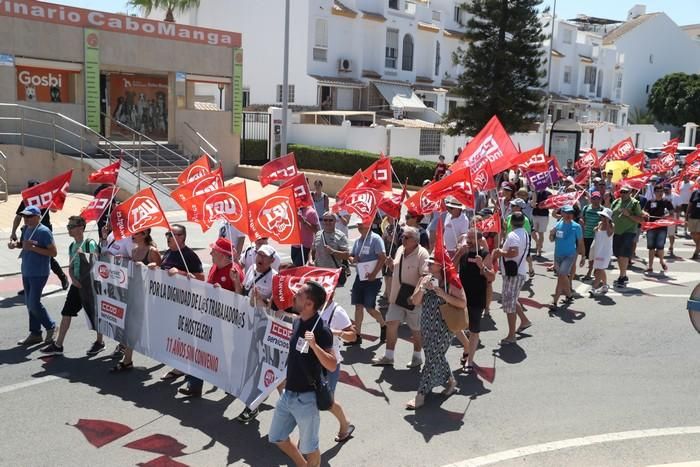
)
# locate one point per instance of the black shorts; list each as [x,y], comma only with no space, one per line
[475,318]
[623,243]
[73,302]
[587,242]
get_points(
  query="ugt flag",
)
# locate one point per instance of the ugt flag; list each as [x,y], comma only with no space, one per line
[140,212]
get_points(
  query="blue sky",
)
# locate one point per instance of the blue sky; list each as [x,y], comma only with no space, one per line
[681,11]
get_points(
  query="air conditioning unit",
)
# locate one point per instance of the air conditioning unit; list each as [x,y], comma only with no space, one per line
[345,65]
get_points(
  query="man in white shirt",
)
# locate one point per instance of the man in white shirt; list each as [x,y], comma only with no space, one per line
[456,224]
[514,249]
[248,255]
[684,192]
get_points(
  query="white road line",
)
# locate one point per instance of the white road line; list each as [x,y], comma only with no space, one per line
[574,443]
[33,382]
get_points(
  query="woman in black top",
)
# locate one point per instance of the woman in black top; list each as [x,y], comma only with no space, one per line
[655,209]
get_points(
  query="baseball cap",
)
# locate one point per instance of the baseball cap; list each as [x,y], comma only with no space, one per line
[223,245]
[507,186]
[595,194]
[31,211]
[606,212]
[267,250]
[518,202]
[625,188]
[567,209]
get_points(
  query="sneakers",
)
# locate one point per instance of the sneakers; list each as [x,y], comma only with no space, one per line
[382,334]
[189,392]
[621,282]
[49,335]
[96,348]
[52,349]
[603,289]
[415,362]
[31,339]
[384,361]
[247,415]
[118,353]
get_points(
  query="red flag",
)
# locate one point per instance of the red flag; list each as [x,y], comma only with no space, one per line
[442,257]
[229,203]
[275,216]
[618,152]
[663,163]
[692,157]
[48,195]
[421,203]
[534,160]
[211,182]
[288,282]
[362,201]
[301,191]
[279,170]
[588,160]
[558,201]
[671,146]
[692,170]
[583,176]
[356,181]
[636,183]
[140,212]
[391,203]
[457,184]
[195,171]
[99,204]
[638,159]
[663,222]
[491,224]
[378,174]
[492,144]
[482,179]
[107,174]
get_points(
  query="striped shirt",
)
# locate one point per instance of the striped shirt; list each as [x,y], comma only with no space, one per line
[590,219]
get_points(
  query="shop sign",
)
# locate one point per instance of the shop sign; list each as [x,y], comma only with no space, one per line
[42,84]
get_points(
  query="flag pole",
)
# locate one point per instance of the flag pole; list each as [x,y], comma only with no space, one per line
[46,211]
[181,255]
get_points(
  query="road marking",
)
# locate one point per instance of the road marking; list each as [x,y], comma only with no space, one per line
[33,382]
[574,443]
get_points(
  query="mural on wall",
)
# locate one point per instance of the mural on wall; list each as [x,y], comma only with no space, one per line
[43,85]
[139,102]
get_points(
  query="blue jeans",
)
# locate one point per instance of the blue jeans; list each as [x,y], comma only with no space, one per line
[194,383]
[38,316]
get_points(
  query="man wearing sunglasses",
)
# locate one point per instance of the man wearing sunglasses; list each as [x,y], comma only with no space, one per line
[330,245]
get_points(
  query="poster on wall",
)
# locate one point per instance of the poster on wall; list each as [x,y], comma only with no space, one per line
[564,145]
[237,94]
[43,85]
[139,102]
[92,79]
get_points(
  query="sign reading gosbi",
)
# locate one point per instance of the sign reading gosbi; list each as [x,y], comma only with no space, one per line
[42,84]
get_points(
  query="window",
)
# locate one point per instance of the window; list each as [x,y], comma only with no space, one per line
[451,106]
[589,78]
[392,48]
[618,86]
[407,57]
[246,98]
[437,59]
[557,115]
[571,114]
[568,36]
[651,58]
[394,4]
[430,142]
[458,15]
[290,91]
[436,15]
[320,52]
[599,88]
[567,75]
[613,116]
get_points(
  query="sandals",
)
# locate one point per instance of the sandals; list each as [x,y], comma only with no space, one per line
[524,327]
[648,271]
[343,437]
[172,375]
[463,360]
[416,403]
[469,369]
[531,273]
[121,367]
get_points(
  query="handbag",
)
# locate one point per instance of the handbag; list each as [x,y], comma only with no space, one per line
[344,267]
[324,395]
[455,318]
[511,267]
[405,291]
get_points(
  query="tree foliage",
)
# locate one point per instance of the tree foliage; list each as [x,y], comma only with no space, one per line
[503,66]
[640,117]
[675,99]
[170,6]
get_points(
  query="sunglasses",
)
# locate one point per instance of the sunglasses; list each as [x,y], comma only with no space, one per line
[332,219]
[170,234]
[71,226]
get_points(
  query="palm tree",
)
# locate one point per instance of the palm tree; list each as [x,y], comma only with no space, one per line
[168,5]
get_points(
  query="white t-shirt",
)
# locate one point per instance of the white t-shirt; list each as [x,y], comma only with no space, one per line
[249,258]
[518,239]
[455,227]
[121,247]
[264,281]
[340,321]
[685,192]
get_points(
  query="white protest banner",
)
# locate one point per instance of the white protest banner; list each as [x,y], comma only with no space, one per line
[207,332]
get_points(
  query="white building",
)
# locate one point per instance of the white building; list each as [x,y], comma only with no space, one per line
[350,55]
[692,30]
[653,46]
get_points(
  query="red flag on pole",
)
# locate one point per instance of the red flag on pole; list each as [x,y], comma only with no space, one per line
[229,203]
[279,170]
[692,157]
[583,176]
[665,162]
[491,224]
[196,170]
[558,201]
[211,182]
[301,191]
[636,183]
[378,175]
[421,203]
[391,203]
[483,179]
[107,174]
[670,146]
[363,202]
[492,144]
[99,204]
[356,181]
[443,258]
[48,195]
[534,160]
[663,222]
[619,152]
[638,159]
[275,216]
[588,160]
[457,184]
[140,212]
[287,283]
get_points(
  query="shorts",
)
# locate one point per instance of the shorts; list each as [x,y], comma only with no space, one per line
[623,243]
[694,225]
[540,223]
[656,238]
[475,313]
[73,303]
[587,242]
[671,230]
[333,378]
[564,264]
[296,409]
[365,293]
[511,292]
[401,314]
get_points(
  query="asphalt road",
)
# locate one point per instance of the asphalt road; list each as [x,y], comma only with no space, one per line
[576,390]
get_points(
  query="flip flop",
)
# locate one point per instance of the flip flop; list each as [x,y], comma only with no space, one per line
[172,374]
[341,438]
[121,366]
[524,327]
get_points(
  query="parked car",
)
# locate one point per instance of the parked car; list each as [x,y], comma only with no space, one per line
[683,151]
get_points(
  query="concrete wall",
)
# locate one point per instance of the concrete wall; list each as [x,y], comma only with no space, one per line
[216,127]
[357,138]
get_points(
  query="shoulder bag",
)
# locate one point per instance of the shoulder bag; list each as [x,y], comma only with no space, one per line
[324,395]
[344,267]
[405,290]
[511,267]
[455,318]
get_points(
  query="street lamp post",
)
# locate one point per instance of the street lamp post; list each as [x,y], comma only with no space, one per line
[221,96]
[549,76]
[285,83]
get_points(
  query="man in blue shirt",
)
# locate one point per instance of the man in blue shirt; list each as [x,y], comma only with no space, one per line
[567,236]
[38,248]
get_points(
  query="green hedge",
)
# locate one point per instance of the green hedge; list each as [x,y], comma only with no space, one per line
[347,162]
[254,151]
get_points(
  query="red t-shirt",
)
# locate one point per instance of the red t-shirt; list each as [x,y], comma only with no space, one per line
[223,276]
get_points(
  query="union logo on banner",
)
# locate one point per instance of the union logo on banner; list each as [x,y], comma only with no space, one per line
[288,282]
[275,216]
[198,169]
[141,211]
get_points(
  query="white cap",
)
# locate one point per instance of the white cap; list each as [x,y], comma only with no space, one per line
[267,250]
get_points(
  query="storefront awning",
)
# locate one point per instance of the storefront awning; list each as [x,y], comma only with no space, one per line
[400,97]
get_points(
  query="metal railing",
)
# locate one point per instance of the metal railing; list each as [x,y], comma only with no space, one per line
[3,177]
[202,146]
[44,129]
